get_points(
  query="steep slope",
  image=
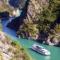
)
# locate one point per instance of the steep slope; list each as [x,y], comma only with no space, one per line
[11,50]
[35,7]
[12,6]
[29,26]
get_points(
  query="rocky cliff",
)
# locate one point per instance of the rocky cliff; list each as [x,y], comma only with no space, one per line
[35,7]
[12,6]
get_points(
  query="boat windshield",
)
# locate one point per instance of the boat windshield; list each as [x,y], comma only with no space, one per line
[38,47]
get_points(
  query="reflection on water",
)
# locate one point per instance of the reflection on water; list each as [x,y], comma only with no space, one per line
[47,58]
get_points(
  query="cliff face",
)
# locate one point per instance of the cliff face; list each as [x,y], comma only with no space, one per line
[11,50]
[12,6]
[35,7]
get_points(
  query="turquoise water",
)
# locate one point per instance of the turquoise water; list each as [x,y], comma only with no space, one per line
[55,51]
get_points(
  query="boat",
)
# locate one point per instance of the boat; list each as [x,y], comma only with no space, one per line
[40,49]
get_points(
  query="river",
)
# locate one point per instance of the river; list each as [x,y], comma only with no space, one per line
[55,51]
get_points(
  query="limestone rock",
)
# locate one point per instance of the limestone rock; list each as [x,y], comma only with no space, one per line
[35,7]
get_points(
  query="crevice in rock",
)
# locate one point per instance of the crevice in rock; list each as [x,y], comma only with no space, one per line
[16,22]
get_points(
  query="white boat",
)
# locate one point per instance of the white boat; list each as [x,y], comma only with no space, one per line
[40,49]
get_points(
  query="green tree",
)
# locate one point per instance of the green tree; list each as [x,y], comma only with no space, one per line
[49,14]
[28,29]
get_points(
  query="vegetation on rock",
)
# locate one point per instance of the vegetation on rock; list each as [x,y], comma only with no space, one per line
[41,16]
[10,50]
[45,15]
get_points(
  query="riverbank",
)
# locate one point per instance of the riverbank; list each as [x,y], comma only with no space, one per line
[11,49]
[40,39]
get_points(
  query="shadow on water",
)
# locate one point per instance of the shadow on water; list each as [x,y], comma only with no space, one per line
[15,23]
